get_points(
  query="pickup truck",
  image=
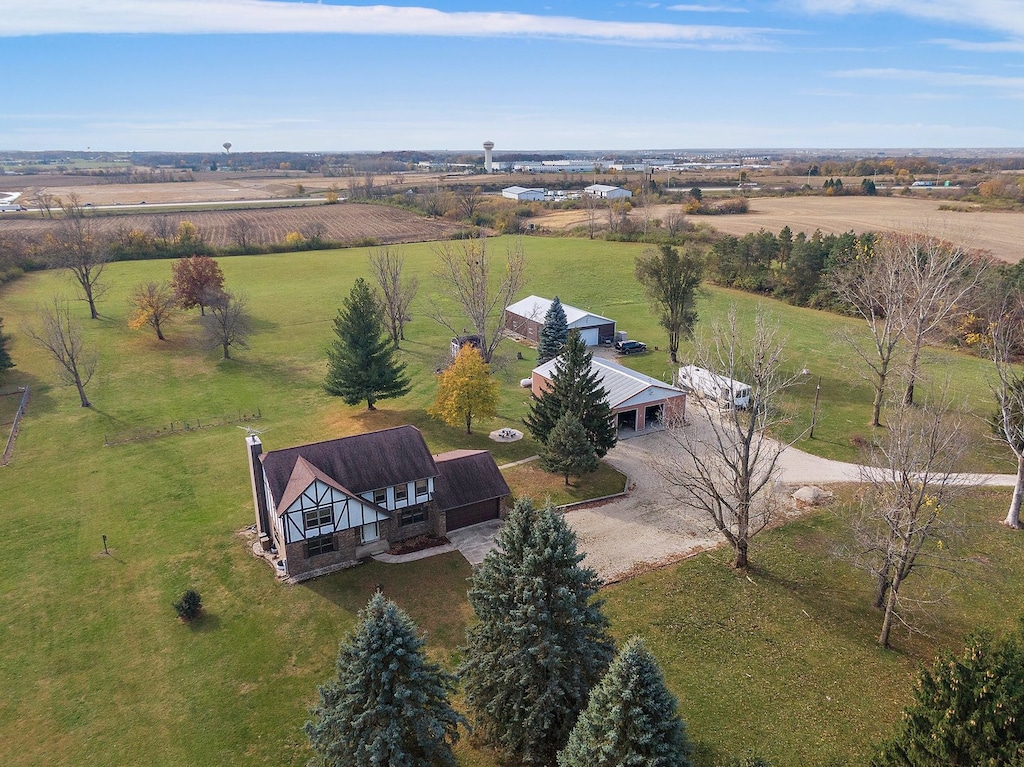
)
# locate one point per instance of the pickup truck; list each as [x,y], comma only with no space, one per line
[630,347]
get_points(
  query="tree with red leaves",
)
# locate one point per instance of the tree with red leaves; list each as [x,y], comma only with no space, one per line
[196,280]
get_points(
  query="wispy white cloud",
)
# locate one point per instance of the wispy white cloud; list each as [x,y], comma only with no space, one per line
[706,8]
[938,79]
[1001,46]
[1003,16]
[45,17]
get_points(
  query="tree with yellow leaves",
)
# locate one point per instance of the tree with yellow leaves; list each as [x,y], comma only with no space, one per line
[466,389]
[153,304]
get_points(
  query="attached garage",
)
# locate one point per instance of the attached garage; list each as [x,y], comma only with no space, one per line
[470,488]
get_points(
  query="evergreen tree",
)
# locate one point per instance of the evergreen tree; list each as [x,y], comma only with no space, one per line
[5,356]
[967,710]
[361,362]
[388,705]
[575,389]
[540,642]
[568,449]
[631,718]
[554,333]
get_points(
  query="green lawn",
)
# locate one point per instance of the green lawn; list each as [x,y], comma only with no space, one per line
[96,669]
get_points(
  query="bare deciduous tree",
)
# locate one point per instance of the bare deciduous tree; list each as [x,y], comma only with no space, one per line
[726,464]
[939,278]
[244,233]
[481,287]
[873,285]
[386,265]
[904,517]
[468,200]
[61,337]
[76,248]
[1008,423]
[44,201]
[228,323]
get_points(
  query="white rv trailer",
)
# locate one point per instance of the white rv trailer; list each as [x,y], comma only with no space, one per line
[725,391]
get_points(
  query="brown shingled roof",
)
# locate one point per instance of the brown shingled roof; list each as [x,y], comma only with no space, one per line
[360,463]
[467,476]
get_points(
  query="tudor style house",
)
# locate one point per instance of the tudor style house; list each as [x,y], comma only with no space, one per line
[329,504]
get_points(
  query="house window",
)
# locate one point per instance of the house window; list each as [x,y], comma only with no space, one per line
[380,497]
[422,486]
[322,544]
[321,515]
[369,533]
[401,492]
[413,515]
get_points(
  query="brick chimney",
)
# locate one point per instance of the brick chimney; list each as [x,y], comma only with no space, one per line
[259,490]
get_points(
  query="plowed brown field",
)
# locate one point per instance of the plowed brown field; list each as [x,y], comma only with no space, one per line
[1001,234]
[345,222]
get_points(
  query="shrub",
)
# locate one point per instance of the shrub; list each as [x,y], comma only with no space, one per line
[189,606]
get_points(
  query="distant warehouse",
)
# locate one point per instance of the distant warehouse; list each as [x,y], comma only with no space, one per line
[522,193]
[607,192]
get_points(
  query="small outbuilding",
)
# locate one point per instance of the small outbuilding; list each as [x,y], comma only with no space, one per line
[525,318]
[639,402]
[607,192]
[523,193]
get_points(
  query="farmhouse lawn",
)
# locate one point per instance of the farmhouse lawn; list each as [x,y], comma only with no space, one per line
[98,670]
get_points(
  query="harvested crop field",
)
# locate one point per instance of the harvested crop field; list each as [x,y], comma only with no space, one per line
[998,233]
[345,222]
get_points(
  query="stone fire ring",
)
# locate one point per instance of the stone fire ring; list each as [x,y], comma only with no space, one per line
[506,435]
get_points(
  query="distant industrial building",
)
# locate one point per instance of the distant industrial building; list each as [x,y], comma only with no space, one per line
[523,193]
[607,192]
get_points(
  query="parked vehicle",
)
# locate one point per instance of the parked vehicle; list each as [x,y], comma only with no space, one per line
[630,347]
[727,392]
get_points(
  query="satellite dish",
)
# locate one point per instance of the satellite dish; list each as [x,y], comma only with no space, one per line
[251,432]
[227,146]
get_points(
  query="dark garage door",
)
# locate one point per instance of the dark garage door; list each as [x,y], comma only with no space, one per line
[474,513]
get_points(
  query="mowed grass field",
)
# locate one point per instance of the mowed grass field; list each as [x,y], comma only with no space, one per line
[96,669]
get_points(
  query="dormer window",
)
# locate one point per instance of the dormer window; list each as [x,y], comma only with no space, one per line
[380,497]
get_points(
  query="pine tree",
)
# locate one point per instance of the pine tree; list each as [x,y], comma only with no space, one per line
[553,334]
[5,356]
[540,642]
[388,705]
[967,710]
[631,718]
[466,389]
[575,388]
[361,362]
[568,449]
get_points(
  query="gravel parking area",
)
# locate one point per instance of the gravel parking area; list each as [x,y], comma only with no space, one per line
[645,529]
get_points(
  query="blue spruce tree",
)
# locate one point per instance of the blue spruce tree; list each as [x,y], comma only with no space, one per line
[388,705]
[540,642]
[631,719]
[554,333]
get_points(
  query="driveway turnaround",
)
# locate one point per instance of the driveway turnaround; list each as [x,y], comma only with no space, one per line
[648,528]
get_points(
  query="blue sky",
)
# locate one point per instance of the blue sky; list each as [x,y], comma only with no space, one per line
[188,75]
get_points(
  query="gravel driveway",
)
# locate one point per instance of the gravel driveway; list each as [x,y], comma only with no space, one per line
[646,528]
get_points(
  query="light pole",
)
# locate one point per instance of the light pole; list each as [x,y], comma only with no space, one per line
[814,410]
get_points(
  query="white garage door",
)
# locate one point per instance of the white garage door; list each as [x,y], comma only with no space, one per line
[589,336]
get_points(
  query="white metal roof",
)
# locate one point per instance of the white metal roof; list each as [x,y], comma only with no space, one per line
[521,189]
[536,308]
[621,383]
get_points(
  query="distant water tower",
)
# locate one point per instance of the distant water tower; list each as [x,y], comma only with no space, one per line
[488,146]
